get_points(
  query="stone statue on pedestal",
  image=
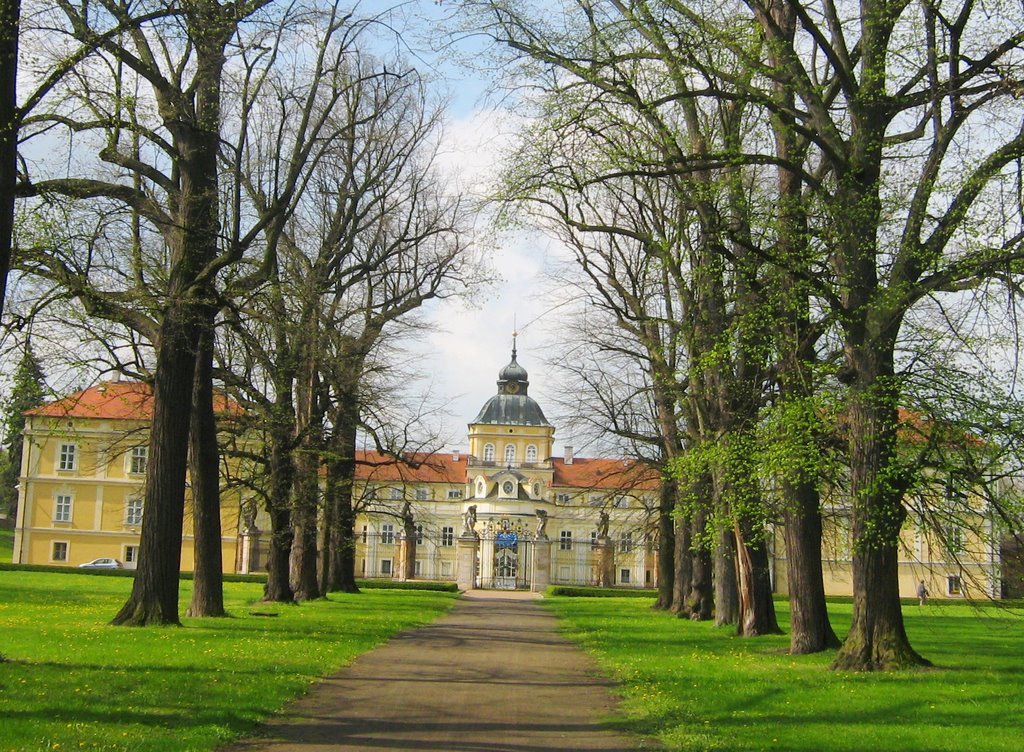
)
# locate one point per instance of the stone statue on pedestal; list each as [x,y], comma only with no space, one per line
[469,521]
[542,523]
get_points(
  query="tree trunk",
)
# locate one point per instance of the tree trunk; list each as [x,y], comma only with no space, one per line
[154,596]
[10,118]
[666,545]
[727,601]
[877,639]
[282,477]
[208,575]
[304,579]
[701,603]
[682,576]
[810,628]
[341,475]
[757,609]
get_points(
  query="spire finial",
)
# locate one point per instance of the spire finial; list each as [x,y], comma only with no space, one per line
[514,335]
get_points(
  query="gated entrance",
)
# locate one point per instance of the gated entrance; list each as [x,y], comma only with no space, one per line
[505,561]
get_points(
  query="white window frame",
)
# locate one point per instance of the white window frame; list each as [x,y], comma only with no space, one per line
[531,453]
[419,535]
[422,494]
[138,460]
[448,536]
[954,585]
[53,551]
[563,498]
[510,454]
[387,534]
[395,493]
[565,540]
[418,568]
[130,555]
[446,569]
[454,493]
[133,511]
[488,452]
[63,507]
[625,576]
[386,568]
[625,542]
[67,457]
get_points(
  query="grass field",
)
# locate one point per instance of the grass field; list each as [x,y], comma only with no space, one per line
[72,682]
[696,687]
[6,545]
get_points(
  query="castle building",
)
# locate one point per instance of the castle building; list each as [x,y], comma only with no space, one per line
[506,513]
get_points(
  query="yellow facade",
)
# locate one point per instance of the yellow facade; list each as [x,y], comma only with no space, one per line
[81,492]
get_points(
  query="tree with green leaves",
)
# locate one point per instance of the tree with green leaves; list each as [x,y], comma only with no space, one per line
[28,390]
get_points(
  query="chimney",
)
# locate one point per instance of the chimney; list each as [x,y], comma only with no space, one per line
[568,454]
[455,455]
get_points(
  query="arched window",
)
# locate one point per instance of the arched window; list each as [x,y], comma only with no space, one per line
[510,454]
[488,452]
[531,453]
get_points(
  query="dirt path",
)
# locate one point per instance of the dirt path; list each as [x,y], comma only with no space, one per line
[492,675]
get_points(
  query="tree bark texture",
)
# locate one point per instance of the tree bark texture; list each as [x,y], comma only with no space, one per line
[10,117]
[666,545]
[810,628]
[727,600]
[341,475]
[204,455]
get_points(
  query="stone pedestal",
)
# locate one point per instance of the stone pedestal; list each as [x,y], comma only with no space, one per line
[406,569]
[605,562]
[541,564]
[466,549]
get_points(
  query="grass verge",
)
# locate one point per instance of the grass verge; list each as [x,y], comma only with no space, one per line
[72,682]
[6,545]
[696,687]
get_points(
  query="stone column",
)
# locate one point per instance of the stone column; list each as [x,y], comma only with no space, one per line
[466,548]
[541,564]
[605,562]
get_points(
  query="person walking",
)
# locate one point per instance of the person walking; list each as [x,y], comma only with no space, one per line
[922,594]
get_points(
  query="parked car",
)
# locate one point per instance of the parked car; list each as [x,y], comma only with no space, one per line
[103,563]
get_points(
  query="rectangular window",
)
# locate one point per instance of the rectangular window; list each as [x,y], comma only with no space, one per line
[131,556]
[624,576]
[362,567]
[62,510]
[387,534]
[593,538]
[625,542]
[622,502]
[563,574]
[447,536]
[60,551]
[418,568]
[454,493]
[419,536]
[953,585]
[364,533]
[595,500]
[66,459]
[138,460]
[446,569]
[396,494]
[134,515]
[385,567]
[422,494]
[563,498]
[565,540]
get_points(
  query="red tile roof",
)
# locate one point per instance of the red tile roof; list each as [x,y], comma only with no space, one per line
[605,473]
[117,400]
[419,468]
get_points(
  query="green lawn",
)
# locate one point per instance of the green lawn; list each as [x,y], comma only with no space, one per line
[73,682]
[700,688]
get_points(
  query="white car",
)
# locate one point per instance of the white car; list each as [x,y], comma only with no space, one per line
[103,563]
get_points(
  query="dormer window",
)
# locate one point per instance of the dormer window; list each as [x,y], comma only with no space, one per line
[488,452]
[481,488]
[508,488]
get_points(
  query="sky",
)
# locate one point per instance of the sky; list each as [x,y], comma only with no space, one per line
[470,341]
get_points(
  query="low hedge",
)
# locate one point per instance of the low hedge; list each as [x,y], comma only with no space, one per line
[573,591]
